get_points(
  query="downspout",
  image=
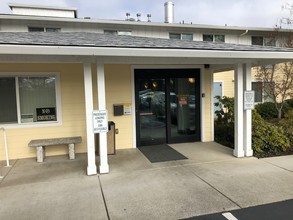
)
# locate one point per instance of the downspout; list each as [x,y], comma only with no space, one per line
[6,147]
[243,33]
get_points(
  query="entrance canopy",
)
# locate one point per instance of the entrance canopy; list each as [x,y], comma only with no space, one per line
[101,49]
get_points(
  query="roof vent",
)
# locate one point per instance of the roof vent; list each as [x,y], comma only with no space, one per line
[169,12]
[128,18]
[138,15]
[149,17]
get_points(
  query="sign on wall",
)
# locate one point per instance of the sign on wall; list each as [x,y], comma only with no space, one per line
[127,109]
[100,121]
[248,100]
[46,114]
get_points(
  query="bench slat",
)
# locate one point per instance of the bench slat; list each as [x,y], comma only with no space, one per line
[55,141]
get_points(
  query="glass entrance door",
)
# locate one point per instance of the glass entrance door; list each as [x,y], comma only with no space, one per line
[183,109]
[167,106]
[151,110]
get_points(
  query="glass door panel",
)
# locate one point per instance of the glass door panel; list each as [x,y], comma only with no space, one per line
[151,111]
[167,106]
[182,107]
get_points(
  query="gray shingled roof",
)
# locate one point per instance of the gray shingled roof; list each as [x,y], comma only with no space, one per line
[82,39]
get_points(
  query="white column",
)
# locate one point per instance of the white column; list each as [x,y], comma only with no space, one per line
[247,135]
[88,88]
[104,166]
[202,104]
[238,109]
[212,107]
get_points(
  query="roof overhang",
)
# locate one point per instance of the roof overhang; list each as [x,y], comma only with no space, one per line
[93,47]
[32,53]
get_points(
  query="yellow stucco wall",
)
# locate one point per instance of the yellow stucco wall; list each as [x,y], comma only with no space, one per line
[73,112]
[119,91]
[207,135]
[227,78]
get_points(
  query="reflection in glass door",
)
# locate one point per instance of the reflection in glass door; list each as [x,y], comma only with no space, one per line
[152,111]
[167,106]
[182,108]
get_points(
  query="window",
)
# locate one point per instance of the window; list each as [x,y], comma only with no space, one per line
[115,32]
[53,29]
[175,36]
[43,29]
[257,40]
[110,32]
[36,29]
[28,99]
[220,38]
[208,37]
[187,37]
[257,88]
[181,36]
[214,38]
[263,41]
[270,41]
[260,94]
[8,112]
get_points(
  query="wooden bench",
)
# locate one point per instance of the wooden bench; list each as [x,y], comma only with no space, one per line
[40,145]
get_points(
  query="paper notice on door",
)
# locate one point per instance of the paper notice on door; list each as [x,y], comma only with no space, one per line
[182,100]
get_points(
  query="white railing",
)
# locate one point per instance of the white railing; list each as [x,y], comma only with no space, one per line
[6,147]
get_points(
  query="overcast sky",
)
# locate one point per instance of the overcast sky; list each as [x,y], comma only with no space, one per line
[249,13]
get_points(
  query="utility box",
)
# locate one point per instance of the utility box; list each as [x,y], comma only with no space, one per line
[111,140]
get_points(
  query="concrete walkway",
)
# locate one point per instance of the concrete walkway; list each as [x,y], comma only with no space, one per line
[210,181]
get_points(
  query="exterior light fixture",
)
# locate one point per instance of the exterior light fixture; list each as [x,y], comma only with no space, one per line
[191,80]
[146,85]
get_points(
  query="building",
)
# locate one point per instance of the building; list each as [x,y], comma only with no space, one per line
[154,79]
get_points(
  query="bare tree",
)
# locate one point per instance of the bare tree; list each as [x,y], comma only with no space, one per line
[278,78]
[277,83]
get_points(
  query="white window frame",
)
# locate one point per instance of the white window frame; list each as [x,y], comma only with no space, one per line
[262,93]
[214,38]
[58,100]
[44,28]
[180,35]
[118,32]
[222,82]
[265,41]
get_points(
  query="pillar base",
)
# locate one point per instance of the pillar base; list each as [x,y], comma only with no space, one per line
[104,168]
[249,153]
[92,170]
[238,153]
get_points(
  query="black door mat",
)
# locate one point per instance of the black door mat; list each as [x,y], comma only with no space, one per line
[161,153]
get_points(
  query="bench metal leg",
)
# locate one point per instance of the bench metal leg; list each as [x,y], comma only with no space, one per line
[40,154]
[71,151]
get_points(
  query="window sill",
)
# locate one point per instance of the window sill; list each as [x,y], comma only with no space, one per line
[31,125]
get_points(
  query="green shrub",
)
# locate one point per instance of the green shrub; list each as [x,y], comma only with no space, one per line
[289,103]
[286,108]
[224,133]
[226,112]
[267,110]
[287,125]
[267,137]
[224,123]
